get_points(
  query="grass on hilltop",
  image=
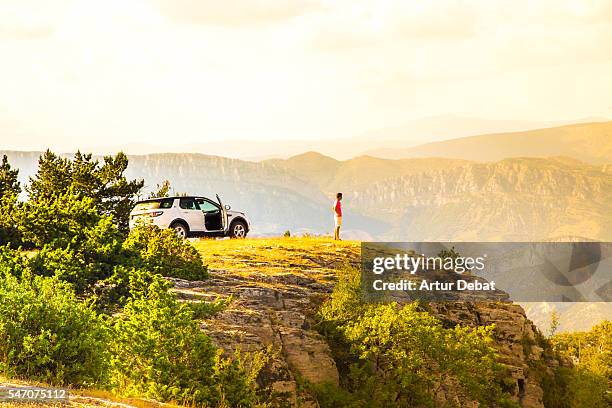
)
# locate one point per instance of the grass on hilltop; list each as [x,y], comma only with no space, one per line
[278,255]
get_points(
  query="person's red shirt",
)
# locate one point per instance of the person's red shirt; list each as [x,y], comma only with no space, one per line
[338,208]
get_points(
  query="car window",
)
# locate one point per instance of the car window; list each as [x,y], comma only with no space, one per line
[166,203]
[207,206]
[188,204]
[147,205]
[154,204]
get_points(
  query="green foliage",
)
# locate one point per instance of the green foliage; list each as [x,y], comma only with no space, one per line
[95,254]
[75,218]
[54,177]
[105,184]
[554,323]
[59,220]
[9,231]
[12,262]
[163,190]
[9,185]
[9,190]
[330,396]
[399,355]
[234,378]
[48,335]
[80,253]
[206,310]
[163,252]
[586,384]
[117,194]
[160,352]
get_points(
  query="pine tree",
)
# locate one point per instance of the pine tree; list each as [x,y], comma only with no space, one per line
[105,184]
[8,179]
[9,191]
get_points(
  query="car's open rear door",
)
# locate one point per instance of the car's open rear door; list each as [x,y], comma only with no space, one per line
[223,214]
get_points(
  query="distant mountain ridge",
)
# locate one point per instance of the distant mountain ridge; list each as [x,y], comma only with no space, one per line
[588,142]
[443,199]
[404,135]
[443,127]
[411,199]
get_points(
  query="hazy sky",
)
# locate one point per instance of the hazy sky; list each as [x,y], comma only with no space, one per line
[113,72]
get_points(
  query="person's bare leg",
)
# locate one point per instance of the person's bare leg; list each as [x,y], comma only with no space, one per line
[337,233]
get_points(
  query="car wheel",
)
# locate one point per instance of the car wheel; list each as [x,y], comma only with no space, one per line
[238,229]
[180,229]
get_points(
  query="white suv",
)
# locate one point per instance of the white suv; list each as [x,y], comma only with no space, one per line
[191,216]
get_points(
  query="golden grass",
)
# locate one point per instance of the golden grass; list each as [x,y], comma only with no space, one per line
[278,255]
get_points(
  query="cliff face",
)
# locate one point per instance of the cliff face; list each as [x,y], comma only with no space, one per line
[511,200]
[277,287]
[516,341]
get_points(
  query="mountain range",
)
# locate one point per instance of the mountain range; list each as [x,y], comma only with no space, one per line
[588,142]
[402,136]
[519,199]
[487,195]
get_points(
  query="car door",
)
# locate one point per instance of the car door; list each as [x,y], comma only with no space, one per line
[190,211]
[213,215]
[223,213]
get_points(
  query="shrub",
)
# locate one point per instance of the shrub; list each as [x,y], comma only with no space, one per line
[161,251]
[586,384]
[98,259]
[234,378]
[206,310]
[84,260]
[47,334]
[399,355]
[9,231]
[12,262]
[57,220]
[160,352]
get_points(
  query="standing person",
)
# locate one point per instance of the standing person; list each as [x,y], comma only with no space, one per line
[337,216]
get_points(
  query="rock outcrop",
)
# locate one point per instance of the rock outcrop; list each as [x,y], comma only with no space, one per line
[275,306]
[515,342]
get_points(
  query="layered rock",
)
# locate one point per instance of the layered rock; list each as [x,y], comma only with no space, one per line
[275,307]
[515,337]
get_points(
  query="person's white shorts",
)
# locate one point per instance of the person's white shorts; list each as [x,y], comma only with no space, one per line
[338,221]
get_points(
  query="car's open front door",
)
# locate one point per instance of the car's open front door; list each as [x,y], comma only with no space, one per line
[223,214]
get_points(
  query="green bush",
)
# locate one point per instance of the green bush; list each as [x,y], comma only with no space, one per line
[12,262]
[161,251]
[97,259]
[160,352]
[206,310]
[586,384]
[47,334]
[399,355]
[330,396]
[87,258]
[9,230]
[234,379]
[59,220]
